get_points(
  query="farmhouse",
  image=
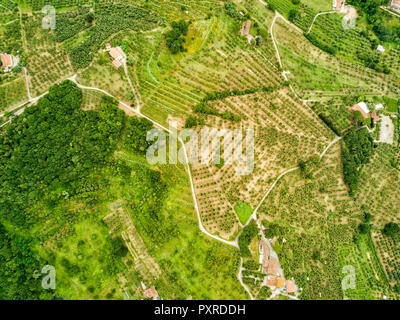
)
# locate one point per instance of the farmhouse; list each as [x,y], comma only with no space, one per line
[362,107]
[246,28]
[116,63]
[276,282]
[118,55]
[290,286]
[7,62]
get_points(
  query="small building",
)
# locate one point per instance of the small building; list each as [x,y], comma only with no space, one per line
[362,107]
[151,293]
[338,4]
[290,286]
[380,49]
[7,62]
[395,4]
[108,46]
[271,282]
[115,54]
[280,283]
[379,106]
[246,28]
[118,56]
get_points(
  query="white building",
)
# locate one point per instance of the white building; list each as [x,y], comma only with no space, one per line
[395,4]
[380,49]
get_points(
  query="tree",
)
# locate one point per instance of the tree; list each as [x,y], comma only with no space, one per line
[293,13]
[391,229]
[367,217]
[364,228]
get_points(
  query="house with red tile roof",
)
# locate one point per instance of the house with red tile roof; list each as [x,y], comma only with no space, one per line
[118,56]
[362,108]
[151,293]
[7,61]
[290,286]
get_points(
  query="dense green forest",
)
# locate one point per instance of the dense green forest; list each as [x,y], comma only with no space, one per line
[47,156]
[357,150]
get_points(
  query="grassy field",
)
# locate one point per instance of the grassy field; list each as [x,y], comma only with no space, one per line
[244,211]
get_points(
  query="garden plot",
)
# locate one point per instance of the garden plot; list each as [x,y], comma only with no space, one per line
[285,131]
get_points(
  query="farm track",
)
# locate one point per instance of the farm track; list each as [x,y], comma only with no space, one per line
[315,18]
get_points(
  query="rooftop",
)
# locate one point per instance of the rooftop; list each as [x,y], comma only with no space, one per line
[6,60]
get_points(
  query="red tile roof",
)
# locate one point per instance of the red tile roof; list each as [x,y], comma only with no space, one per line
[151,292]
[280,282]
[116,63]
[356,107]
[271,282]
[6,60]
[115,53]
[290,286]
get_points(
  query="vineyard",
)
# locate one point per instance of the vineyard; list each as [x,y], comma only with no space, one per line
[371,282]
